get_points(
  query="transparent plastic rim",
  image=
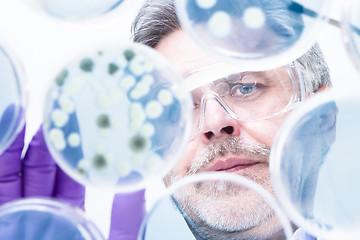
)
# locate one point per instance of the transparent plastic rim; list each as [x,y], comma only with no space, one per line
[100,19]
[258,64]
[276,156]
[216,176]
[21,89]
[348,40]
[188,121]
[71,214]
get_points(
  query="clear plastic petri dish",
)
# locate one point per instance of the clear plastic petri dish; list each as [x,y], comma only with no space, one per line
[75,10]
[13,98]
[117,116]
[215,205]
[43,219]
[350,26]
[257,34]
[315,163]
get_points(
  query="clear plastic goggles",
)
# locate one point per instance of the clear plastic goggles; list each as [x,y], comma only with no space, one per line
[243,96]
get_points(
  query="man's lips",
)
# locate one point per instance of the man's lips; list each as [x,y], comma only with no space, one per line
[232,164]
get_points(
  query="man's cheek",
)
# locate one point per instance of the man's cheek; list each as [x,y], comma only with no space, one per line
[181,167]
[265,131]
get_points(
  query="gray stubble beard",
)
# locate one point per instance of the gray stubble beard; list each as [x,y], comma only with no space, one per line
[236,146]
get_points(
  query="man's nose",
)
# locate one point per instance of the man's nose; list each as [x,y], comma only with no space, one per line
[217,122]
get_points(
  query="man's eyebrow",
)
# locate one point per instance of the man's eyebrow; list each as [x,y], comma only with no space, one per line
[198,78]
[218,71]
[188,73]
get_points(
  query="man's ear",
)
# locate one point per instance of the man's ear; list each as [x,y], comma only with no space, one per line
[323,88]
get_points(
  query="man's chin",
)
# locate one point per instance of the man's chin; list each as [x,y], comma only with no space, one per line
[223,207]
[226,215]
[264,229]
[229,210]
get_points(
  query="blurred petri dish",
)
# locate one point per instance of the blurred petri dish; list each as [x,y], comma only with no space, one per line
[12,104]
[315,165]
[256,34]
[117,117]
[75,10]
[44,219]
[215,206]
[351,30]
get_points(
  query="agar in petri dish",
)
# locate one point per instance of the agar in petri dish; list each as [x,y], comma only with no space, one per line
[215,205]
[314,165]
[12,105]
[257,34]
[43,219]
[118,116]
[75,10]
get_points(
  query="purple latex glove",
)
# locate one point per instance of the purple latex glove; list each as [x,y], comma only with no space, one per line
[10,168]
[127,214]
[37,175]
[41,177]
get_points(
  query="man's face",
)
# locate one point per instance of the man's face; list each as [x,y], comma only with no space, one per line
[223,144]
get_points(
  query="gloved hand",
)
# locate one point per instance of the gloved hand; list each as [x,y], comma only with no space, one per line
[127,213]
[37,175]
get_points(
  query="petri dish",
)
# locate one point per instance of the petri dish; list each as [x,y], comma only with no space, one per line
[43,219]
[257,34]
[13,98]
[215,205]
[350,26]
[117,116]
[75,10]
[314,165]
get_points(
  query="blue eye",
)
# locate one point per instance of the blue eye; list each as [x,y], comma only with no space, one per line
[243,89]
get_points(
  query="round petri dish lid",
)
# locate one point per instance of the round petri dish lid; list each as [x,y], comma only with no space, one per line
[315,163]
[257,34]
[12,105]
[117,116]
[75,10]
[215,205]
[351,31]
[42,219]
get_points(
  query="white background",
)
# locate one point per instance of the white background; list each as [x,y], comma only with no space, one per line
[44,44]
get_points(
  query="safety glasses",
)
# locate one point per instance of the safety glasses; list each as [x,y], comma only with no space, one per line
[243,96]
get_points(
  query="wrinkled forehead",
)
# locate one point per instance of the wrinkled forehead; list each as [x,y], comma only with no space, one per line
[215,73]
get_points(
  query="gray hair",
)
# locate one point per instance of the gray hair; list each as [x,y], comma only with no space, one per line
[157,19]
